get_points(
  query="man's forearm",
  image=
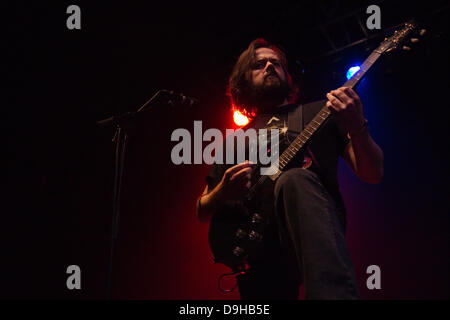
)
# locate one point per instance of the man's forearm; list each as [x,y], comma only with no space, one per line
[207,205]
[368,157]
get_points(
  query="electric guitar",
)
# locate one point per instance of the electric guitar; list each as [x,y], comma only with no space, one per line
[236,238]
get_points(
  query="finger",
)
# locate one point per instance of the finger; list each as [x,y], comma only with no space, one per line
[352,94]
[245,180]
[342,95]
[241,183]
[335,101]
[243,173]
[236,168]
[332,107]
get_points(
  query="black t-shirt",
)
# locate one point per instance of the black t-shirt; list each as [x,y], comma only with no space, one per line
[321,153]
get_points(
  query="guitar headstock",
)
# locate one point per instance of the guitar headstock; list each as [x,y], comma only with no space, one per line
[400,38]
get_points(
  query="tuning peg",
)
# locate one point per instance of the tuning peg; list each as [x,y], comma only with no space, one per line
[406,48]
[422,32]
[414,40]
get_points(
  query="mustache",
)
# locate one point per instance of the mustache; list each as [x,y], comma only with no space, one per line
[271,73]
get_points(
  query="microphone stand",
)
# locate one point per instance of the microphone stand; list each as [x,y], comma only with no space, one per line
[120,140]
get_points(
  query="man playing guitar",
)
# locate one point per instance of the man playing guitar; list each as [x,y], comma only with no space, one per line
[306,241]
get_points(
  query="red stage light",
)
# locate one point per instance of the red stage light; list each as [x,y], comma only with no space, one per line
[240,119]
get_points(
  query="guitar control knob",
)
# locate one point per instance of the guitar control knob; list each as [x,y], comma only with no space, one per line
[241,234]
[256,218]
[253,235]
[238,251]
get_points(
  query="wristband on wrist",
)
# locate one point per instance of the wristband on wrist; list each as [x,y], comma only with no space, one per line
[363,128]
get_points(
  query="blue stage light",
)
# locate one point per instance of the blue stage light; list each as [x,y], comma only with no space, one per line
[351,71]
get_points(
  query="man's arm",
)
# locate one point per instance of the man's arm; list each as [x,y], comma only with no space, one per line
[362,154]
[207,204]
[234,184]
[365,158]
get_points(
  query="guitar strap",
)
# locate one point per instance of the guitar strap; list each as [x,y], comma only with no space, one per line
[295,119]
[295,124]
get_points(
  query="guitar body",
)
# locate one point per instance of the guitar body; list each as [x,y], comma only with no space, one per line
[236,233]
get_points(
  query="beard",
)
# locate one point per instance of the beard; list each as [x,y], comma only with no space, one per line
[272,91]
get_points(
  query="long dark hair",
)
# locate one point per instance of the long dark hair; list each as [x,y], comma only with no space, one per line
[239,82]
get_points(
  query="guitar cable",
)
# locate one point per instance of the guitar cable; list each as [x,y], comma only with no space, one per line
[226,291]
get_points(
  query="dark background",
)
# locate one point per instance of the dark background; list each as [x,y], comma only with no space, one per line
[57,204]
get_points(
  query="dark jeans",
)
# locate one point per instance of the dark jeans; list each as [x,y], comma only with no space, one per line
[310,248]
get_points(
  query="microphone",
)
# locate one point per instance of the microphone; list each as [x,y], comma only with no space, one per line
[179,98]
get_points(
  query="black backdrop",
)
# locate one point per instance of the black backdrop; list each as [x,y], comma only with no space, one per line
[58,179]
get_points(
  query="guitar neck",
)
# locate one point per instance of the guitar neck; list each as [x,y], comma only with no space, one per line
[302,139]
[357,77]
